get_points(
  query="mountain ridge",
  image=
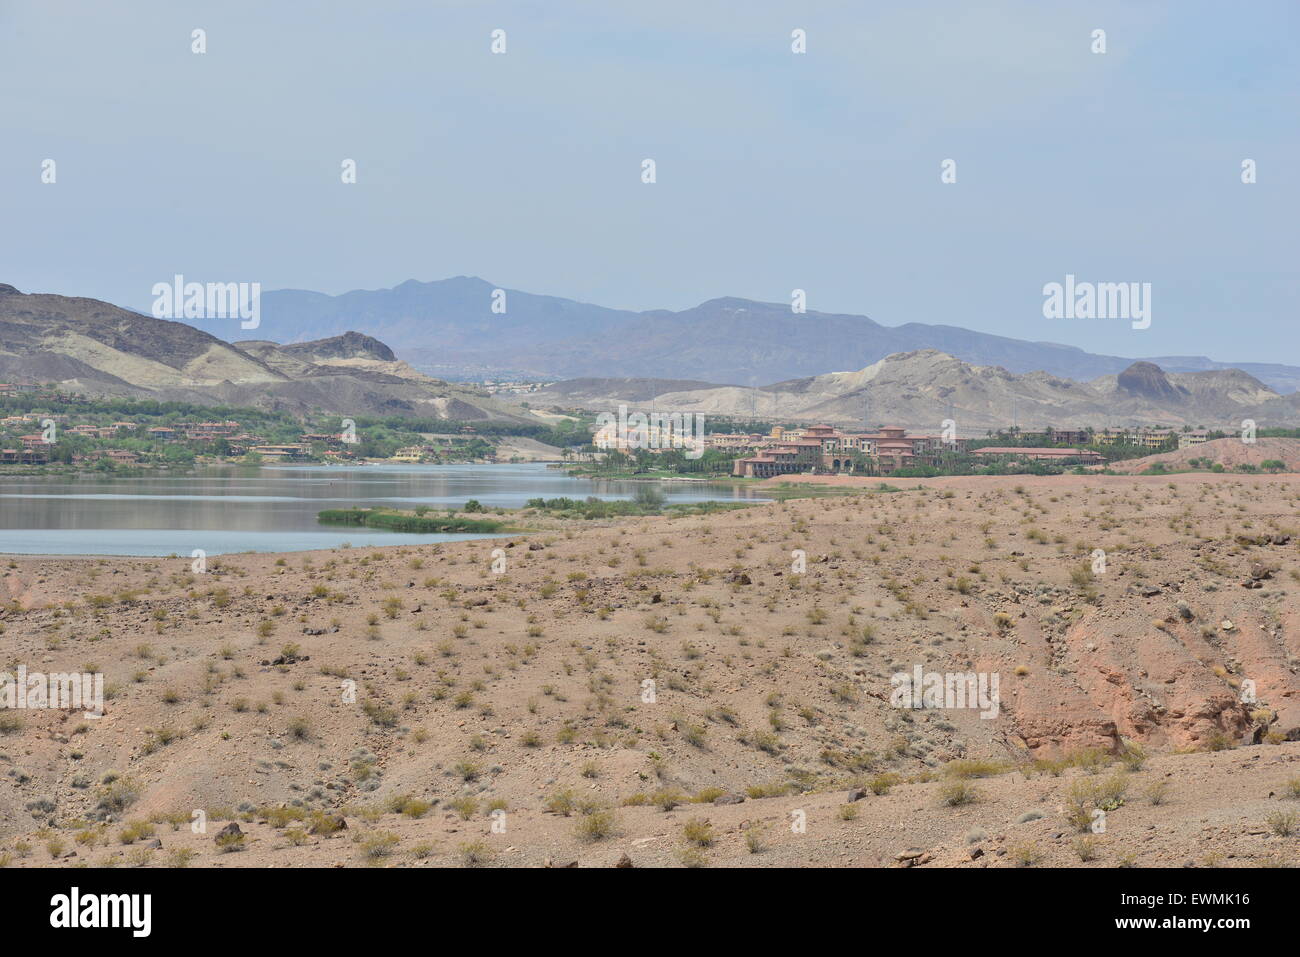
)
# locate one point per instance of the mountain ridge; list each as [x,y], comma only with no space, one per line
[723,339]
[922,388]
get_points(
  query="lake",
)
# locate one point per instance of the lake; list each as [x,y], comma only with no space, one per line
[273,508]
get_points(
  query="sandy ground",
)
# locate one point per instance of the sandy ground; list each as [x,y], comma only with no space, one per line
[1230,453]
[524,449]
[600,695]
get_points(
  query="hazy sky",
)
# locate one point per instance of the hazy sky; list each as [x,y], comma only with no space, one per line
[775,171]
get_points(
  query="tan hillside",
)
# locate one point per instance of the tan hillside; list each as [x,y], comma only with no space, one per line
[83,345]
[920,389]
[61,336]
[1229,452]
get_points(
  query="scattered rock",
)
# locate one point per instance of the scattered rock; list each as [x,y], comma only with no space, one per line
[231,831]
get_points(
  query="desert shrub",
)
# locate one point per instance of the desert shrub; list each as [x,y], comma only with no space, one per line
[956,793]
[1282,823]
[596,826]
[698,832]
[1026,854]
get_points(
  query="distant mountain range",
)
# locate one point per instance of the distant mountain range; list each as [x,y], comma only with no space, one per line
[447,328]
[88,346]
[93,347]
[919,390]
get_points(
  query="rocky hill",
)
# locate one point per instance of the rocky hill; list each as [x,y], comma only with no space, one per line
[95,343]
[920,389]
[350,345]
[93,347]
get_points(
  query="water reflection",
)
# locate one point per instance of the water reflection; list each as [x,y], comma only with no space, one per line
[272,508]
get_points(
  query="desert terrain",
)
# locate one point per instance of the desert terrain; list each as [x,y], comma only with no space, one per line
[1231,453]
[706,690]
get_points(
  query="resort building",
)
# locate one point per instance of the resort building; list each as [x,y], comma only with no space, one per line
[118,455]
[781,459]
[821,448]
[1151,438]
[280,451]
[1055,456]
[1069,436]
[25,456]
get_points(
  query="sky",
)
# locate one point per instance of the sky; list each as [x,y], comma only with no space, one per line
[775,171]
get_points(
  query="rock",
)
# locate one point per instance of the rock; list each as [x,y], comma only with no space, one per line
[1148,591]
[625,861]
[911,854]
[551,863]
[729,798]
[231,831]
[976,853]
[855,794]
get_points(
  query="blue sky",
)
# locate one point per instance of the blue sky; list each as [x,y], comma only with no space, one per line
[775,171]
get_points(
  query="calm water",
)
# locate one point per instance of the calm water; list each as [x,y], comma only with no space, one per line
[272,508]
